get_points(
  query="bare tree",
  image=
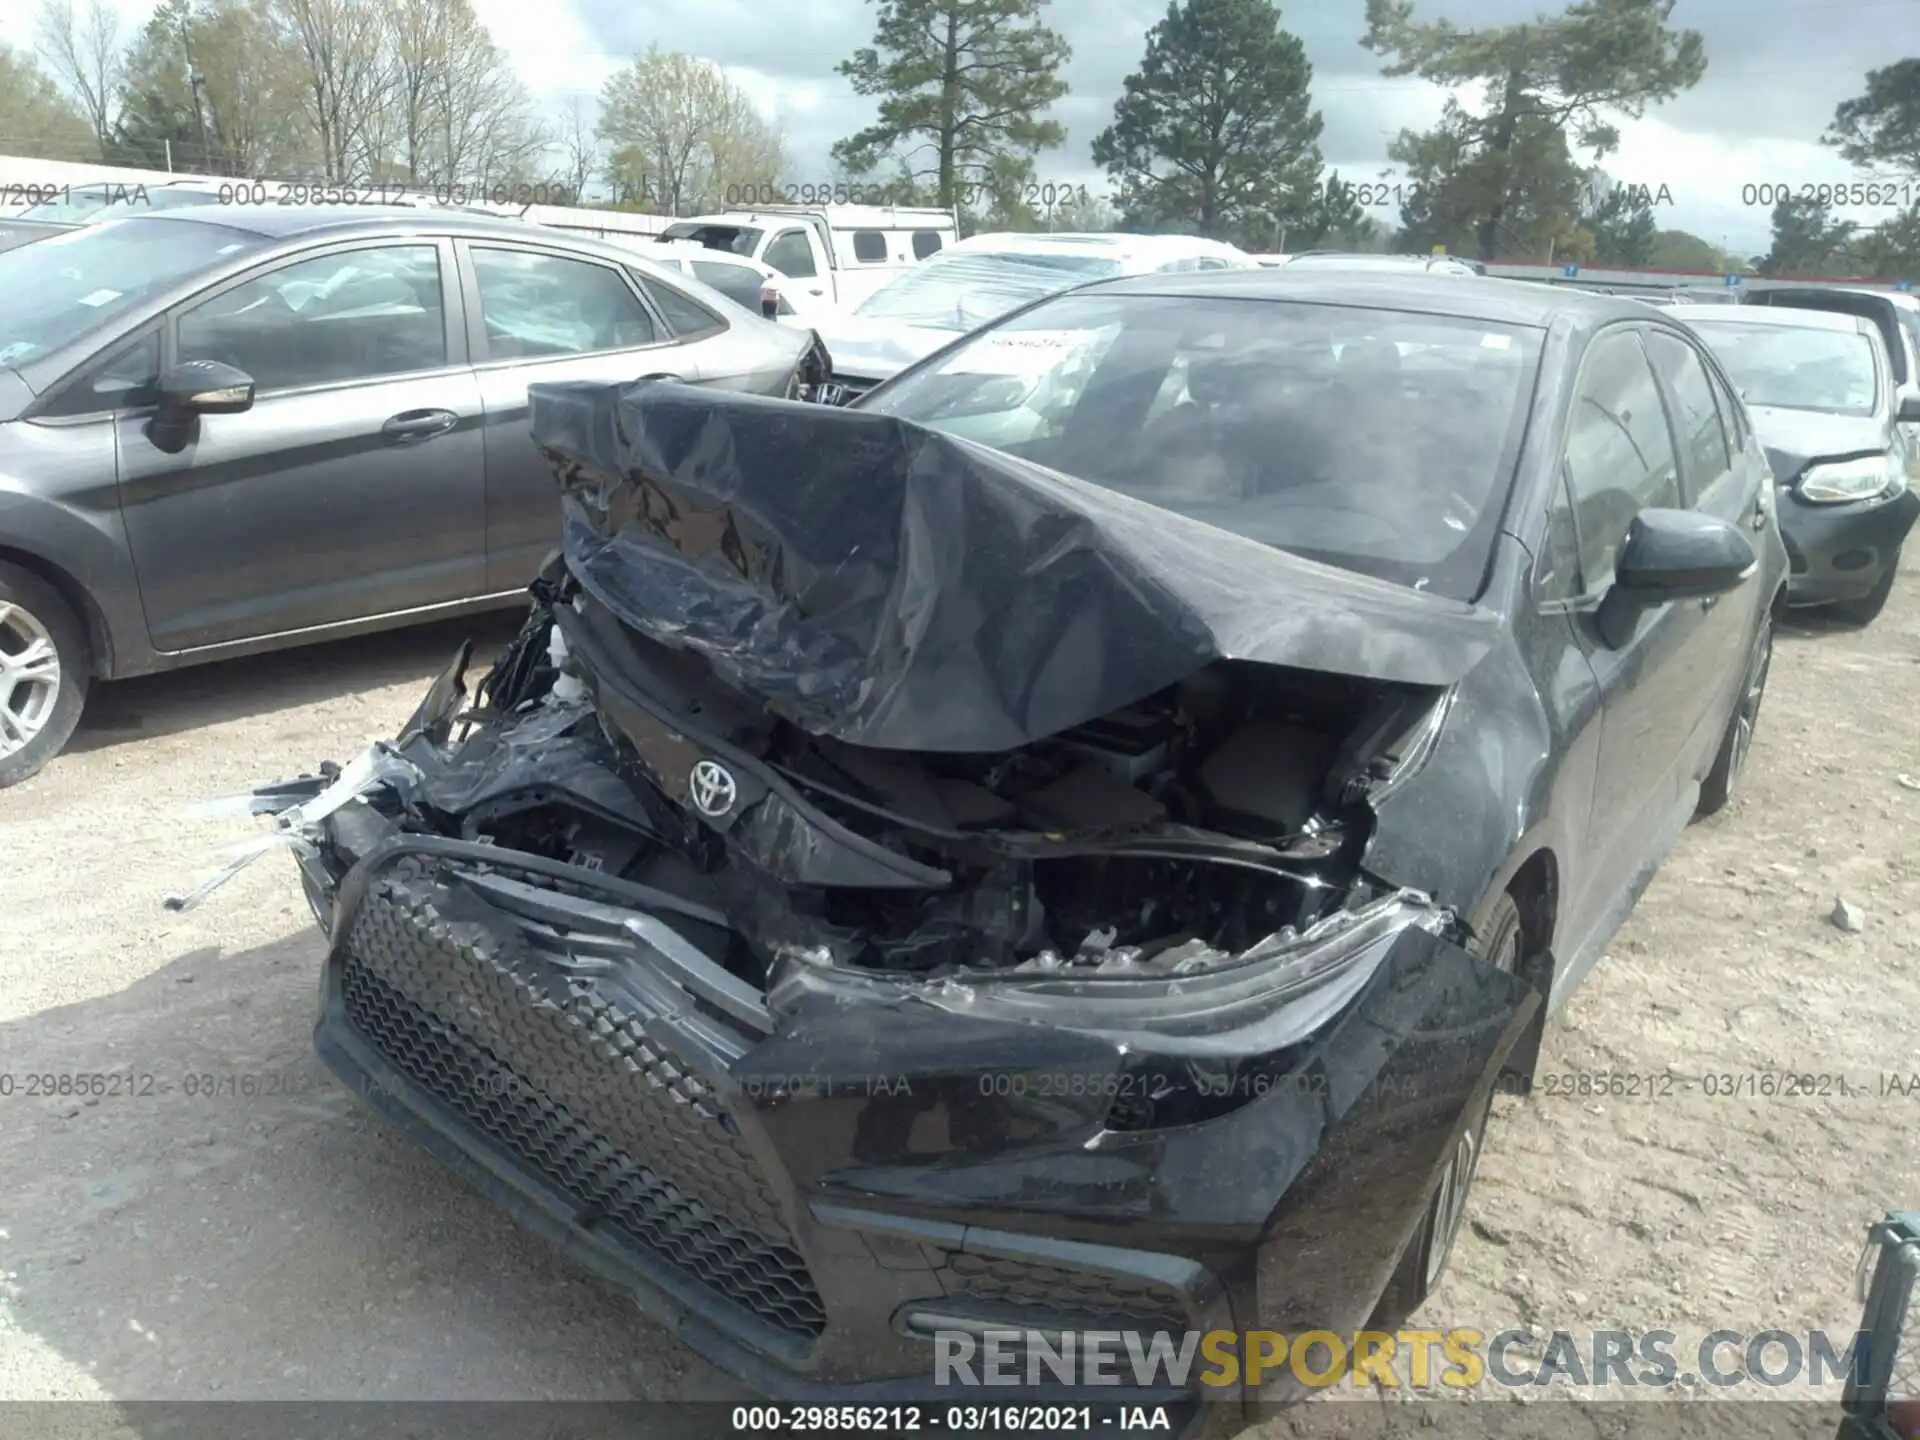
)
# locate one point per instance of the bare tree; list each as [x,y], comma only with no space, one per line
[460,115]
[86,51]
[581,159]
[347,79]
[683,136]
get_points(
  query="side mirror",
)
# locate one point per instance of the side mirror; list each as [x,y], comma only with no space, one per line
[1671,555]
[1909,411]
[205,387]
[191,389]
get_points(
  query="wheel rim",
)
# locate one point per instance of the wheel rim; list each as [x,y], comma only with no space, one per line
[1450,1203]
[1748,715]
[1449,1210]
[29,678]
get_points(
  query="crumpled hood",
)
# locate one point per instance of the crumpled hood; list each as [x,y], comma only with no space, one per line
[880,583]
[865,349]
[1791,438]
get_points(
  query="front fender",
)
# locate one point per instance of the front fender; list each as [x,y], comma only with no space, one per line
[67,520]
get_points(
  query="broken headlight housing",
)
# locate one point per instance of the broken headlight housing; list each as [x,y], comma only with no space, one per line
[1865,478]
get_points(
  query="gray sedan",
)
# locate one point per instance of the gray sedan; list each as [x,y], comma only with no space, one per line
[229,429]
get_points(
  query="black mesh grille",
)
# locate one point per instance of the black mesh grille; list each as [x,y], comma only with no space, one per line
[1058,1289]
[572,1090]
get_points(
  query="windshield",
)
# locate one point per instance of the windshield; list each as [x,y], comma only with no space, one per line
[962,291]
[59,288]
[1379,440]
[740,239]
[1795,369]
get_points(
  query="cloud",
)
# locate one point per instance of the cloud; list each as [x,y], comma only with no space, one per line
[1776,70]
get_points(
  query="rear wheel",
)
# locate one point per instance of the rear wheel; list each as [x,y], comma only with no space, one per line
[1717,789]
[1501,944]
[43,673]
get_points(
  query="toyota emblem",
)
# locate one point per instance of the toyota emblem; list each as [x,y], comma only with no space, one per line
[712,788]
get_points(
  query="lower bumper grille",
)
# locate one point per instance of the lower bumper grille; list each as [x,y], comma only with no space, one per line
[553,1136]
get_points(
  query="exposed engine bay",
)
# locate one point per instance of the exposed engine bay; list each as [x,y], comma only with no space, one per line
[1163,838]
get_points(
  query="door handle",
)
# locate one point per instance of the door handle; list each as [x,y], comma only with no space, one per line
[418,424]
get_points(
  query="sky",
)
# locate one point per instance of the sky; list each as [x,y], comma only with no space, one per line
[1775,71]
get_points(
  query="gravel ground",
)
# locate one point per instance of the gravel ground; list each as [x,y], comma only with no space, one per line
[283,1245]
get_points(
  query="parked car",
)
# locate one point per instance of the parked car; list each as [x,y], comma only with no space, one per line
[1356,260]
[233,428]
[1819,386]
[983,277]
[84,204]
[747,283]
[1089,880]
[837,253]
[1894,313]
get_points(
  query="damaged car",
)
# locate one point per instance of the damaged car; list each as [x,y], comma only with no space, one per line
[226,429]
[1819,385]
[1070,844]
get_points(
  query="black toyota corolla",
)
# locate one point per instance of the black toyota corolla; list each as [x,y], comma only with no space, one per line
[1071,843]
[1820,389]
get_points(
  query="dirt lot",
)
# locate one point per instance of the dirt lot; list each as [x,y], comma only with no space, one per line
[283,1245]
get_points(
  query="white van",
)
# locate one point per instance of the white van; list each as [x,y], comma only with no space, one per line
[841,253]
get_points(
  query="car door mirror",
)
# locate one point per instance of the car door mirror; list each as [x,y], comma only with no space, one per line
[205,387]
[191,389]
[1672,555]
[1909,412]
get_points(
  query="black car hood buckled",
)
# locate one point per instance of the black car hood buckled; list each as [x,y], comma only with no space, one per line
[883,584]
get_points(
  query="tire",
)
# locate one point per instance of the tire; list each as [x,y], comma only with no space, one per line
[1866,610]
[1731,758]
[40,704]
[1423,1264]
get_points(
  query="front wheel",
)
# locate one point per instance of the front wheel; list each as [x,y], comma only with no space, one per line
[1502,944]
[43,673]
[1717,789]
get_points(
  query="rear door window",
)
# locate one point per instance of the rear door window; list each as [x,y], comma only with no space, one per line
[536,305]
[685,316]
[925,243]
[869,247]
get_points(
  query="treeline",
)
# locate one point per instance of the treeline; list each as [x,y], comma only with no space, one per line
[1215,132]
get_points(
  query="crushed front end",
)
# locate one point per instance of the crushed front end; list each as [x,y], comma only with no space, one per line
[822,1048]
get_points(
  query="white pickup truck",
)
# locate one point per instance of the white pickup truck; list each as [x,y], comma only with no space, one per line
[838,253]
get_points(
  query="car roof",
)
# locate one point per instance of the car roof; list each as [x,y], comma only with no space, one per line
[1097,242]
[1784,317]
[1469,297]
[1903,298]
[1374,261]
[282,221]
[344,222]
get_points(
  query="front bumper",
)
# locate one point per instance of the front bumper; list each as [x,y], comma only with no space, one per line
[803,1193]
[1839,553]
